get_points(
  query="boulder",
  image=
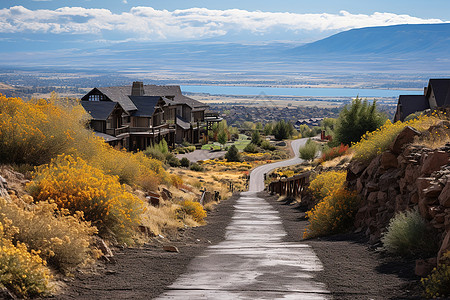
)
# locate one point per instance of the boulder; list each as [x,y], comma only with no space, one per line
[373,196]
[406,136]
[166,194]
[388,160]
[433,191]
[434,161]
[424,267]
[445,246]
[444,197]
[423,183]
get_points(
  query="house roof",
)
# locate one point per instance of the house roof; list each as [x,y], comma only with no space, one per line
[121,94]
[108,138]
[99,110]
[145,105]
[411,104]
[173,91]
[441,89]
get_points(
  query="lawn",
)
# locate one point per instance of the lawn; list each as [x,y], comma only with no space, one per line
[240,144]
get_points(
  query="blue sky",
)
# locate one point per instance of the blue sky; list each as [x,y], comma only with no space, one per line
[110,21]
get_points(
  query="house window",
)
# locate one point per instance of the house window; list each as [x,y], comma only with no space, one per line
[95,97]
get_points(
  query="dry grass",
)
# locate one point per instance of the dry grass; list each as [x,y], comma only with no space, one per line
[338,161]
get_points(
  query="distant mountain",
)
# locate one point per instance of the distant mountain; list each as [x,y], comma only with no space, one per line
[408,49]
[423,40]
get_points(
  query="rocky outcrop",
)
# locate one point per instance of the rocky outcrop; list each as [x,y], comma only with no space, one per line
[404,177]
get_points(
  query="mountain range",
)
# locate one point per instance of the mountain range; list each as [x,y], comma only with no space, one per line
[400,48]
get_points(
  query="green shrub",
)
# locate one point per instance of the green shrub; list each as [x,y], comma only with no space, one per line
[409,235]
[266,145]
[172,160]
[155,153]
[357,119]
[437,284]
[184,162]
[256,138]
[282,130]
[233,154]
[196,167]
[309,151]
[251,148]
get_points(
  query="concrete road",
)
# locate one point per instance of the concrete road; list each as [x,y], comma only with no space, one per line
[253,262]
[257,175]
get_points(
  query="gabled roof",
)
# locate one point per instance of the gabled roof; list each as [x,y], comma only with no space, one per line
[99,110]
[119,94]
[412,103]
[145,105]
[441,89]
[173,91]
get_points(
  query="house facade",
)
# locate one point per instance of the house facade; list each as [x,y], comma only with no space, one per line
[137,116]
[436,95]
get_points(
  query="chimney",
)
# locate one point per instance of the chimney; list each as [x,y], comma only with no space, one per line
[137,89]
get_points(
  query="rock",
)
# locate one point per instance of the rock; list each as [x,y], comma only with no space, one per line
[434,161]
[373,196]
[356,167]
[423,183]
[169,248]
[444,197]
[154,201]
[445,246]
[101,245]
[424,267]
[406,136]
[372,187]
[433,191]
[166,194]
[388,160]
[145,230]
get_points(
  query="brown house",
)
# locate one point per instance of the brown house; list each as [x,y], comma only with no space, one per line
[436,95]
[141,115]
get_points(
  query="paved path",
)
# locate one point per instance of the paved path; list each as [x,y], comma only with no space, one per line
[253,262]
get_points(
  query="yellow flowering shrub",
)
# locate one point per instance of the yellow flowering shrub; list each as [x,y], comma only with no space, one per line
[193,209]
[76,186]
[437,284]
[63,240]
[21,272]
[35,131]
[325,183]
[375,142]
[332,215]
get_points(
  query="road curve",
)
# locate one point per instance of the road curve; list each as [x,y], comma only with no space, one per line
[256,183]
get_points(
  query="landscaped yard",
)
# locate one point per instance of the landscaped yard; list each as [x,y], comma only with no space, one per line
[240,144]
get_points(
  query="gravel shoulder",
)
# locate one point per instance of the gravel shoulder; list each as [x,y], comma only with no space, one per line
[352,270]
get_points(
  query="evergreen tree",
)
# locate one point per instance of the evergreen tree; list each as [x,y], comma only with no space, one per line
[357,119]
[233,154]
[256,138]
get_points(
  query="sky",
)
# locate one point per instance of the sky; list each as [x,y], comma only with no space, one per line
[112,21]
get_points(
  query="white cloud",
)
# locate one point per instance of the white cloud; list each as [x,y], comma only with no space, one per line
[194,23]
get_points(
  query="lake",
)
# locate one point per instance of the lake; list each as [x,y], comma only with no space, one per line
[305,92]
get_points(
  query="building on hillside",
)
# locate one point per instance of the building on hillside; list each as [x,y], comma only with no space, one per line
[145,114]
[436,95]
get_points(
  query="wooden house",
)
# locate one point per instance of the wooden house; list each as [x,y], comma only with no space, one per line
[148,113]
[436,95]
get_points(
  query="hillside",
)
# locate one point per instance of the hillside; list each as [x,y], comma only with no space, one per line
[428,40]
